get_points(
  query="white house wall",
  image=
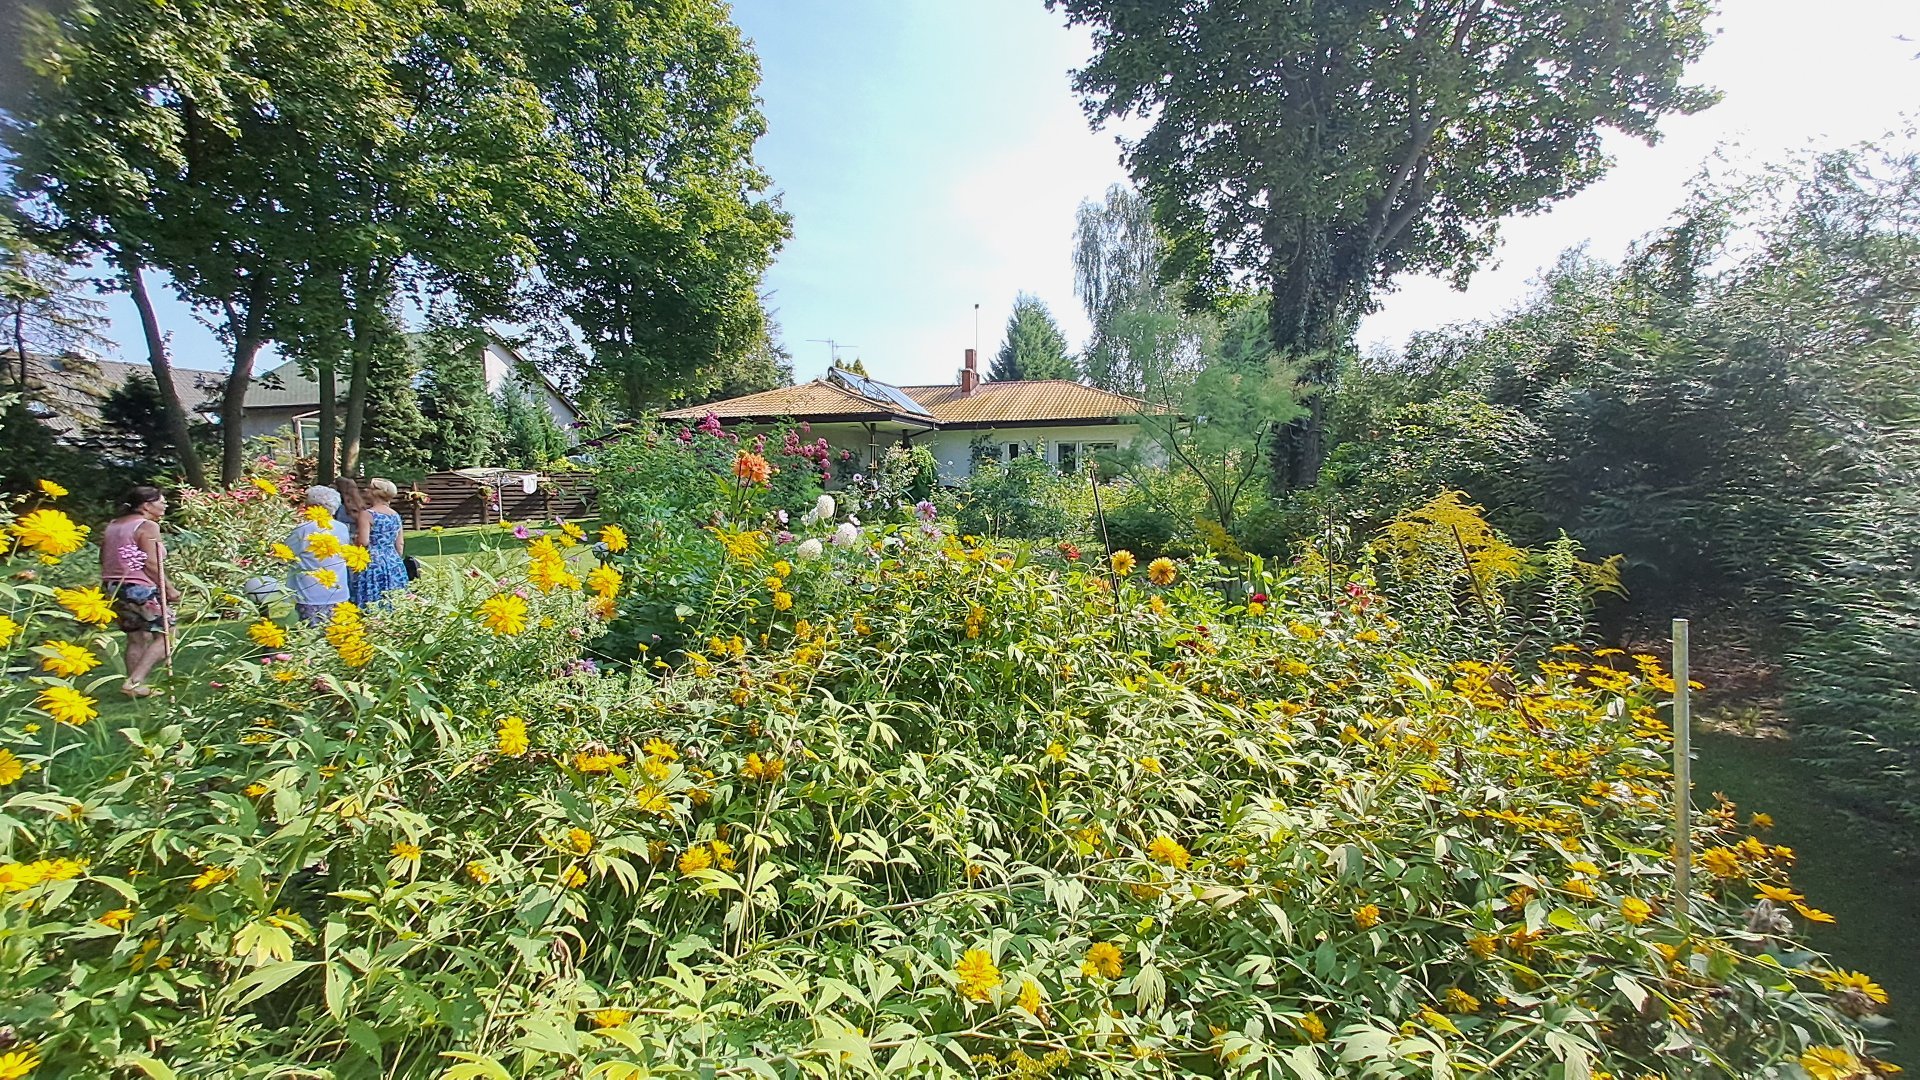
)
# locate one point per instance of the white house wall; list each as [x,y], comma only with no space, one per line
[498,364]
[953,448]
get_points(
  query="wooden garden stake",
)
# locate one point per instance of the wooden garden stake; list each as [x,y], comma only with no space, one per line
[1682,777]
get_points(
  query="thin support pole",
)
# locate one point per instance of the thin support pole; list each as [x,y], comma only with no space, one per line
[1682,777]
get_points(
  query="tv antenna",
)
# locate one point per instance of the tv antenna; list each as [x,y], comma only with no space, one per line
[833,349]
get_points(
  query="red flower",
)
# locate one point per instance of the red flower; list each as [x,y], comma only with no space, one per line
[1259,598]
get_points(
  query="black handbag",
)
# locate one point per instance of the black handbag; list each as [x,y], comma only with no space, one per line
[413,567]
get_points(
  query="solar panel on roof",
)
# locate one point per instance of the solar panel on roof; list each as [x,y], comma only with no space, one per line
[875,391]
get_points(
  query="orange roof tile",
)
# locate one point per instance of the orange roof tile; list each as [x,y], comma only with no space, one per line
[816,398]
[1024,401]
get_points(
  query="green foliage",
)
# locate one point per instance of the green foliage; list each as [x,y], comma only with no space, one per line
[529,436]
[1034,347]
[1011,499]
[463,419]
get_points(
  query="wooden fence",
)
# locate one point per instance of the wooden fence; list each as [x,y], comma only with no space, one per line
[449,500]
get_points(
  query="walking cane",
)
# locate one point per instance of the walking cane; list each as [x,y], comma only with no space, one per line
[166,610]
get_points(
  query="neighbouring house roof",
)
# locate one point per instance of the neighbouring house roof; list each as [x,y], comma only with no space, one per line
[843,396]
[1025,401]
[286,386]
[74,387]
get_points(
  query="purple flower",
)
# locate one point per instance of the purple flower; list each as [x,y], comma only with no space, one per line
[783,537]
[780,516]
[710,425]
[519,532]
[925,510]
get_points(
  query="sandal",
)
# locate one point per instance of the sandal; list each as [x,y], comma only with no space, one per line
[135,690]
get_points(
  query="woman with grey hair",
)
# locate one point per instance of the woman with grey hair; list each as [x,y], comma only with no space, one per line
[318,579]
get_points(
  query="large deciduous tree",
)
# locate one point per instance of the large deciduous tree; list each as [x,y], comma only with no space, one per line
[1034,347]
[661,228]
[1319,149]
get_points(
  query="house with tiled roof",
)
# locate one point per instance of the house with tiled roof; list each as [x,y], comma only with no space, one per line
[1069,422]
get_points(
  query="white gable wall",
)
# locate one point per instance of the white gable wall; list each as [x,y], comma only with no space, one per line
[498,363]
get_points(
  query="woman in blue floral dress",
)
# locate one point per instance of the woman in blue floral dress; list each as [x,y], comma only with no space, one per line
[380,533]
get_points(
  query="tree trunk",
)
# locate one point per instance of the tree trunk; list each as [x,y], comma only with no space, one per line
[233,437]
[20,341]
[175,410]
[324,469]
[359,372]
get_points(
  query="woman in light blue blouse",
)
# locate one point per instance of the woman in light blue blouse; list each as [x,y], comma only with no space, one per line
[318,583]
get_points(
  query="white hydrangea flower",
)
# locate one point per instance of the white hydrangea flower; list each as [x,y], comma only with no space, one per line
[847,535]
[808,550]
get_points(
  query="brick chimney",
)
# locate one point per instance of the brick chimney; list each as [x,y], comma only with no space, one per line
[970,375]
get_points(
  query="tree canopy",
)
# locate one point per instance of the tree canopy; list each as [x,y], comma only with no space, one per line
[1034,347]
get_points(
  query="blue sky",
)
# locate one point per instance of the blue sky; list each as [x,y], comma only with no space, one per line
[932,155]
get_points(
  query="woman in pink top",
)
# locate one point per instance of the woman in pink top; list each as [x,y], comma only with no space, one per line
[132,570]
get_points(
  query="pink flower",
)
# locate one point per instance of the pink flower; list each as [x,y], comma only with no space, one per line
[519,532]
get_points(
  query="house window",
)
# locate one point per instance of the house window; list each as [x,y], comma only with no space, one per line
[1075,456]
[1015,449]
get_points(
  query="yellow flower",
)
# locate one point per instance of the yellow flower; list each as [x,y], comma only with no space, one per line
[49,532]
[977,974]
[511,740]
[254,790]
[357,558]
[504,614]
[67,705]
[695,859]
[593,762]
[8,629]
[1483,945]
[1830,1063]
[609,1018]
[550,574]
[1311,1026]
[1165,849]
[572,531]
[1029,998]
[1161,571]
[403,849]
[1150,764]
[782,601]
[1457,1000]
[1778,895]
[211,876]
[15,1064]
[267,634]
[1367,916]
[67,659]
[117,919]
[1855,981]
[604,581]
[768,770]
[11,769]
[1812,914]
[1256,608]
[88,605]
[52,490]
[282,552]
[1580,887]
[1103,959]
[614,537]
[323,544]
[661,748]
[326,579]
[1721,862]
[319,515]
[580,840]
[1056,751]
[651,800]
[478,873]
[267,487]
[656,770]
[573,877]
[783,568]
[1635,910]
[1123,562]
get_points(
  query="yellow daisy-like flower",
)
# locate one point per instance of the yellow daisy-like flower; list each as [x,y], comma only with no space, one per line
[1459,1001]
[591,762]
[67,660]
[282,552]
[1312,1028]
[1367,916]
[405,849]
[568,528]
[11,768]
[614,538]
[511,740]
[782,601]
[324,544]
[1165,849]
[1778,894]
[504,614]
[49,532]
[117,919]
[267,487]
[604,581]
[1030,998]
[478,873]
[356,557]
[783,568]
[15,1064]
[1635,910]
[211,876]
[1721,862]
[573,877]
[977,974]
[89,605]
[609,1018]
[1483,945]
[327,579]
[1812,914]
[267,634]
[1256,608]
[1161,571]
[319,515]
[255,790]
[696,859]
[52,490]
[67,705]
[550,574]
[1855,981]
[660,748]
[1830,1063]
[1103,959]
[651,800]
[1057,751]
[8,629]
[580,840]
[1123,562]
